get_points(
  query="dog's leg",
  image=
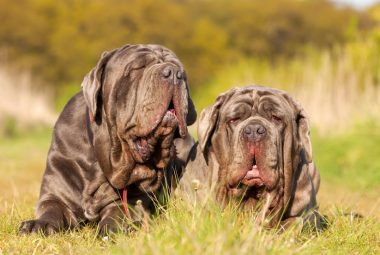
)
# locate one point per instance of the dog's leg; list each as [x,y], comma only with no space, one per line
[112,219]
[52,216]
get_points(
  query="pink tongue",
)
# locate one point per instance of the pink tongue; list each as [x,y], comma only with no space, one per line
[143,142]
[253,173]
[170,119]
[170,113]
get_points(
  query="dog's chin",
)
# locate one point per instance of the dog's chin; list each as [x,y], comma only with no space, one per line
[253,177]
[252,189]
[158,143]
[251,182]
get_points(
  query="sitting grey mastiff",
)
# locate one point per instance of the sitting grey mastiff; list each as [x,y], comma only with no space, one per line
[254,148]
[116,141]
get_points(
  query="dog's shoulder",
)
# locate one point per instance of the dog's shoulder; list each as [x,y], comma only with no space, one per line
[75,108]
[72,126]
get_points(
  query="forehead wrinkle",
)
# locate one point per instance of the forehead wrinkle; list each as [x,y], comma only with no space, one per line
[277,102]
[136,51]
[255,99]
[164,55]
[239,99]
[156,51]
[170,57]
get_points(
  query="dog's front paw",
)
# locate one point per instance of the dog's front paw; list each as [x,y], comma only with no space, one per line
[109,228]
[36,226]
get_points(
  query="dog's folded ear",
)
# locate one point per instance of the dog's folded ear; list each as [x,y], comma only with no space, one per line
[191,112]
[208,121]
[92,83]
[303,129]
[301,182]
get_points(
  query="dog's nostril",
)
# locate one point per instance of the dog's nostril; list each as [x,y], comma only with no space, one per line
[248,130]
[261,130]
[167,72]
[179,75]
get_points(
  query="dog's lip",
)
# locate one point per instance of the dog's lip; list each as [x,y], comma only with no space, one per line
[171,111]
[253,173]
[253,176]
[248,178]
[144,146]
[250,185]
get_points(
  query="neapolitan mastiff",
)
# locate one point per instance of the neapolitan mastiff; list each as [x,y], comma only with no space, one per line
[117,134]
[254,147]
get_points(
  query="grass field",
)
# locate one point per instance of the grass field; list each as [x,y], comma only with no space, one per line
[350,171]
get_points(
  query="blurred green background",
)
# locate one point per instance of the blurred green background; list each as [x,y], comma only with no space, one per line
[326,55]
[47,46]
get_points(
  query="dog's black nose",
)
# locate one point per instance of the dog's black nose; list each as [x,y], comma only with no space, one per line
[172,74]
[254,132]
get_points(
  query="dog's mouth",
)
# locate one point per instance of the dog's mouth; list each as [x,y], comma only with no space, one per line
[250,184]
[157,144]
[253,176]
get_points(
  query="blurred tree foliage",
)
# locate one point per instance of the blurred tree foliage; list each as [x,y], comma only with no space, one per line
[61,40]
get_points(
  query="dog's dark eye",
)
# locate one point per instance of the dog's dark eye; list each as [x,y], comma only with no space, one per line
[233,120]
[276,119]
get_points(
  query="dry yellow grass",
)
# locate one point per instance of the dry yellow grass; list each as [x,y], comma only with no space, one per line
[22,100]
[337,89]
[335,96]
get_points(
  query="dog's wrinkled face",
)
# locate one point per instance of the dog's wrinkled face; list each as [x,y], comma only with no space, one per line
[253,126]
[154,106]
[251,133]
[143,99]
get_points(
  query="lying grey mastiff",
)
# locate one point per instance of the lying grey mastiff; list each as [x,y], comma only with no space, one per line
[254,148]
[116,137]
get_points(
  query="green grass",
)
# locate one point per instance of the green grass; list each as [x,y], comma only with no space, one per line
[349,166]
[350,159]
